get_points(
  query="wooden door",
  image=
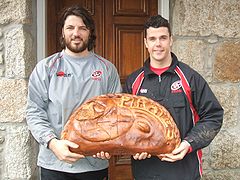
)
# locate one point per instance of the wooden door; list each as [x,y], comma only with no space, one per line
[119,30]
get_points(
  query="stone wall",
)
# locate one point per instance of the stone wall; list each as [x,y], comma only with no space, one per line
[207,37]
[17,59]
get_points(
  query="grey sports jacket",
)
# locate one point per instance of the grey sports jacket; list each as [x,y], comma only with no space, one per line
[57,86]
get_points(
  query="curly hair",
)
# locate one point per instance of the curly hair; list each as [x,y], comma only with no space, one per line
[87,20]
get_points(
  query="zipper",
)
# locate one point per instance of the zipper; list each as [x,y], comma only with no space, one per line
[159,78]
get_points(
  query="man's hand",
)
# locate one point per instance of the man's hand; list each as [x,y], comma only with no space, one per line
[141,156]
[102,155]
[177,154]
[61,149]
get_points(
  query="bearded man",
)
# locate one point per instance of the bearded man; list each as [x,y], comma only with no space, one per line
[57,86]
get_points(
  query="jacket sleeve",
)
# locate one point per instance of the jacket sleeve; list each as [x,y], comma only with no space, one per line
[127,88]
[210,114]
[37,103]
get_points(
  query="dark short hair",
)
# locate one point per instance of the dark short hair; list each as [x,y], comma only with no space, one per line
[156,22]
[87,20]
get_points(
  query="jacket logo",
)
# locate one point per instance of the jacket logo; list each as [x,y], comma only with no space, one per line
[63,74]
[176,87]
[143,91]
[96,75]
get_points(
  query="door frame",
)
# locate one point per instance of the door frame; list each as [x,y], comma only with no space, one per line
[163,9]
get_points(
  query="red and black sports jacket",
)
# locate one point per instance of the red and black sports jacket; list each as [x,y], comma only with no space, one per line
[167,90]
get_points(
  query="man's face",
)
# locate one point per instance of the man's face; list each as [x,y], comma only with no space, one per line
[158,42]
[76,34]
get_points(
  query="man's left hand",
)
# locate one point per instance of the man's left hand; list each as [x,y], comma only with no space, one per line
[177,154]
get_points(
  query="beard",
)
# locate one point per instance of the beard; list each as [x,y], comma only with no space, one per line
[77,48]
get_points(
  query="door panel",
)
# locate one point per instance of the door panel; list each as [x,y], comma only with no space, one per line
[119,31]
[130,50]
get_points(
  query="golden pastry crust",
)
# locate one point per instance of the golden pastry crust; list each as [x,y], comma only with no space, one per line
[121,124]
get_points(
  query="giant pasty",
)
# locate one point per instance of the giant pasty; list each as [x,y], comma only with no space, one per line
[121,124]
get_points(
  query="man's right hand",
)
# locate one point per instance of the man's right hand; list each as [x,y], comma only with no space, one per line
[61,149]
[141,156]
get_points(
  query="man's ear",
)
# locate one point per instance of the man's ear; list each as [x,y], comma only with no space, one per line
[145,42]
[171,41]
[62,34]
